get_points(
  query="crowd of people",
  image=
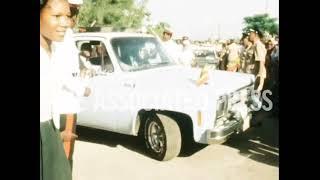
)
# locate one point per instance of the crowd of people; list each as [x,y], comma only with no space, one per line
[253,54]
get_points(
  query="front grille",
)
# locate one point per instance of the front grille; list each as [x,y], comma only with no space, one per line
[242,94]
[223,114]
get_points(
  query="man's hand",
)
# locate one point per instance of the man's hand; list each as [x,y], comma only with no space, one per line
[87,92]
[68,136]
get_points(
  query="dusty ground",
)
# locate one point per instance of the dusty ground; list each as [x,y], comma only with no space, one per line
[254,155]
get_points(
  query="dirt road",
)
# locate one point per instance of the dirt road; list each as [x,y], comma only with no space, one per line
[254,155]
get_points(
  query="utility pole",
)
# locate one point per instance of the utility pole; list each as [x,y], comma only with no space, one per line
[266,6]
[219,35]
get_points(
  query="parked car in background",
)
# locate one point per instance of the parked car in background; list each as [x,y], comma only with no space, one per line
[206,57]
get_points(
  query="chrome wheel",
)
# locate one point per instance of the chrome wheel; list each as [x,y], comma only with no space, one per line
[156,137]
[162,137]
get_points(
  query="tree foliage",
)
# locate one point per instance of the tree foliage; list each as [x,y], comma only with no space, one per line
[115,13]
[159,28]
[262,22]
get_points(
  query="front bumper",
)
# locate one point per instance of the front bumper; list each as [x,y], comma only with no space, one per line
[220,135]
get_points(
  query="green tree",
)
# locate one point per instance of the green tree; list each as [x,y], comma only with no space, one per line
[159,28]
[262,22]
[115,13]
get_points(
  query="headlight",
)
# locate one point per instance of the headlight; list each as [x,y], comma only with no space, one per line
[234,98]
[221,106]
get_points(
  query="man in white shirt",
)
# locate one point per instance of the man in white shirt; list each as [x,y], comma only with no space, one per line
[170,46]
[233,56]
[187,56]
[53,162]
[72,88]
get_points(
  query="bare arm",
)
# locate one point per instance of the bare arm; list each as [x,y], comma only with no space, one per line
[261,57]
[262,74]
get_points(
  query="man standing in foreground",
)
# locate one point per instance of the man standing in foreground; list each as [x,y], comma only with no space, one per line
[259,57]
[259,70]
[73,88]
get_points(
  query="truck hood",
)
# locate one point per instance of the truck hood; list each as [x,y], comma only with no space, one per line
[182,79]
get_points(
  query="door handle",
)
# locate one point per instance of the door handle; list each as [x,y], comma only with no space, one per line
[130,85]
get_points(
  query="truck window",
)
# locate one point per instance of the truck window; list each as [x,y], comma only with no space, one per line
[94,57]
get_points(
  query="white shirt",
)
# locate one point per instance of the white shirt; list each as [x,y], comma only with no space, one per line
[49,86]
[260,51]
[260,55]
[172,49]
[67,56]
[234,51]
[186,57]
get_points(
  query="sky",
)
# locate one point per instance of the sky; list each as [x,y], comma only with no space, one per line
[202,19]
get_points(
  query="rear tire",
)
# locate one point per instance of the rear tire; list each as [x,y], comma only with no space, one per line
[162,137]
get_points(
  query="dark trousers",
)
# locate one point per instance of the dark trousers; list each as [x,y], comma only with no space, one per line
[53,162]
[223,63]
[255,121]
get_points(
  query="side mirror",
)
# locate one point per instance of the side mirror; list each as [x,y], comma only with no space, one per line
[108,68]
[102,73]
[106,71]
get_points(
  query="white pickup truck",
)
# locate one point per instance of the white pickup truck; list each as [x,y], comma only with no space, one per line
[138,90]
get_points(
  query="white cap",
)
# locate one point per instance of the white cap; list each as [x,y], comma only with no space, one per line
[168,30]
[75,2]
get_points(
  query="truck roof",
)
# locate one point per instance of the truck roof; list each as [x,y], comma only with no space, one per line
[110,35]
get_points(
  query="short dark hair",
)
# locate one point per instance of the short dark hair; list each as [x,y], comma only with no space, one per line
[43,3]
[260,34]
[165,32]
[86,46]
[244,35]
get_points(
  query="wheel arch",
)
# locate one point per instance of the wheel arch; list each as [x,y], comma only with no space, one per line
[183,120]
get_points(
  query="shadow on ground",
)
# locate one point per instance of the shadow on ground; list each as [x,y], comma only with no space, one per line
[133,143]
[259,143]
[111,139]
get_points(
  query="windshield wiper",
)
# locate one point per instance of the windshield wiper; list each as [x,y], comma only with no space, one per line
[148,66]
[141,67]
[162,63]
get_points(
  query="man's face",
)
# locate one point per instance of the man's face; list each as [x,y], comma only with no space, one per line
[86,53]
[246,41]
[54,20]
[166,36]
[270,45]
[252,36]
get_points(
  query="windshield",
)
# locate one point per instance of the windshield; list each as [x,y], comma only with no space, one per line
[139,53]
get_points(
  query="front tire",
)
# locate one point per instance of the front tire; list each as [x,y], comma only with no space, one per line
[162,137]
